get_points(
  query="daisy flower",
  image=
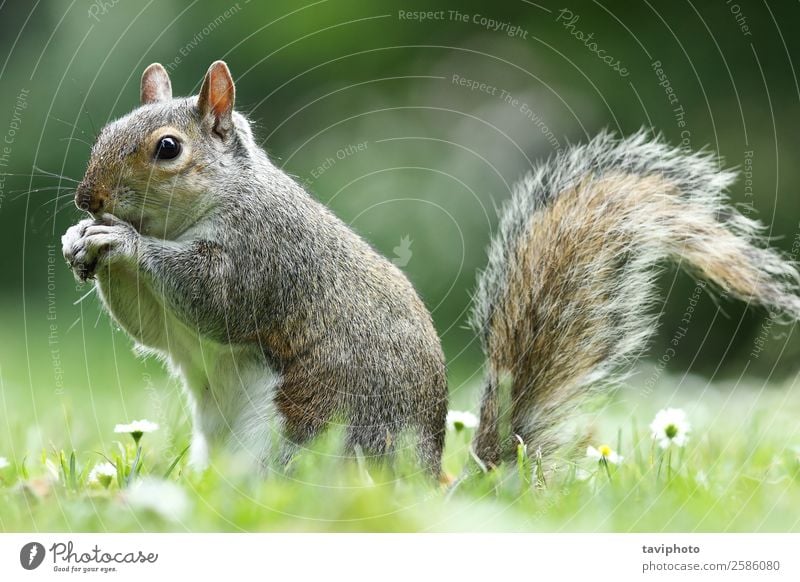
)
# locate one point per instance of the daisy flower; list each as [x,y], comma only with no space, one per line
[136,428]
[103,474]
[458,420]
[670,426]
[604,454]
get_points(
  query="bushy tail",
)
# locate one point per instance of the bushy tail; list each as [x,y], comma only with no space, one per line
[565,300]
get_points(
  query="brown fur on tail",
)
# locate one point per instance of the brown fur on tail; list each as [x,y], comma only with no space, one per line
[564,302]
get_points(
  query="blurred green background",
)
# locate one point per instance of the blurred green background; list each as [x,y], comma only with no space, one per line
[436,157]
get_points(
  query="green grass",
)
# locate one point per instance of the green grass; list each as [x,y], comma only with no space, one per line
[739,472]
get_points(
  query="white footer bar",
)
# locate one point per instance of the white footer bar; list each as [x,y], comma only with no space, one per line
[406,557]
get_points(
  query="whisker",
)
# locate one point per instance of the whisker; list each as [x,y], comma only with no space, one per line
[86,111]
[54,175]
[21,193]
[51,217]
[85,295]
[66,205]
[75,139]
[55,200]
[68,124]
[39,176]
[39,220]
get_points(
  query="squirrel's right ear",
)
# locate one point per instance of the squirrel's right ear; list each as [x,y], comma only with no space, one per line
[155,85]
[216,98]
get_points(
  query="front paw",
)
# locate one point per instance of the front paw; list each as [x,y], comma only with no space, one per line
[90,242]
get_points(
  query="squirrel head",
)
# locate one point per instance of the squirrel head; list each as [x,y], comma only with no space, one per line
[165,164]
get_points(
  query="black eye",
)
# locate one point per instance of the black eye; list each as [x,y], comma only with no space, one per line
[168,148]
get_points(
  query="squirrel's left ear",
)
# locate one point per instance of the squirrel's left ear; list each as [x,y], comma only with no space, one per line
[156,85]
[216,98]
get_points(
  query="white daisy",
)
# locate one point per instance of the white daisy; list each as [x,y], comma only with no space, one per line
[458,420]
[670,426]
[103,473]
[604,454]
[136,428]
[4,463]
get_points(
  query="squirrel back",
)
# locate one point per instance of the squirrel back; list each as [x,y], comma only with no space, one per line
[565,300]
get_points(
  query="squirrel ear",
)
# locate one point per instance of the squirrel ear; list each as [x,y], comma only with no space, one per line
[216,98]
[155,85]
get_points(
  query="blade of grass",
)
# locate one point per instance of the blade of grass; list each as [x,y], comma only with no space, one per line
[135,467]
[73,479]
[637,449]
[64,471]
[175,462]
[120,470]
[23,468]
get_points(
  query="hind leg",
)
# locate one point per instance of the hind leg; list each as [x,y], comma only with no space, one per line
[382,442]
[430,447]
[305,412]
[430,421]
[377,443]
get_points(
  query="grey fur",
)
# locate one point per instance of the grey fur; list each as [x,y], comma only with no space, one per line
[279,318]
[242,260]
[580,242]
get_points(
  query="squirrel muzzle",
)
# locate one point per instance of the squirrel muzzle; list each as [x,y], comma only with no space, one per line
[90,197]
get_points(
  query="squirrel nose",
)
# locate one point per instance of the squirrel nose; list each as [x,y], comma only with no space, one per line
[88,198]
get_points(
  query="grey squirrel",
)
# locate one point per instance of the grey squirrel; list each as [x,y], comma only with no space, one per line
[281,320]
